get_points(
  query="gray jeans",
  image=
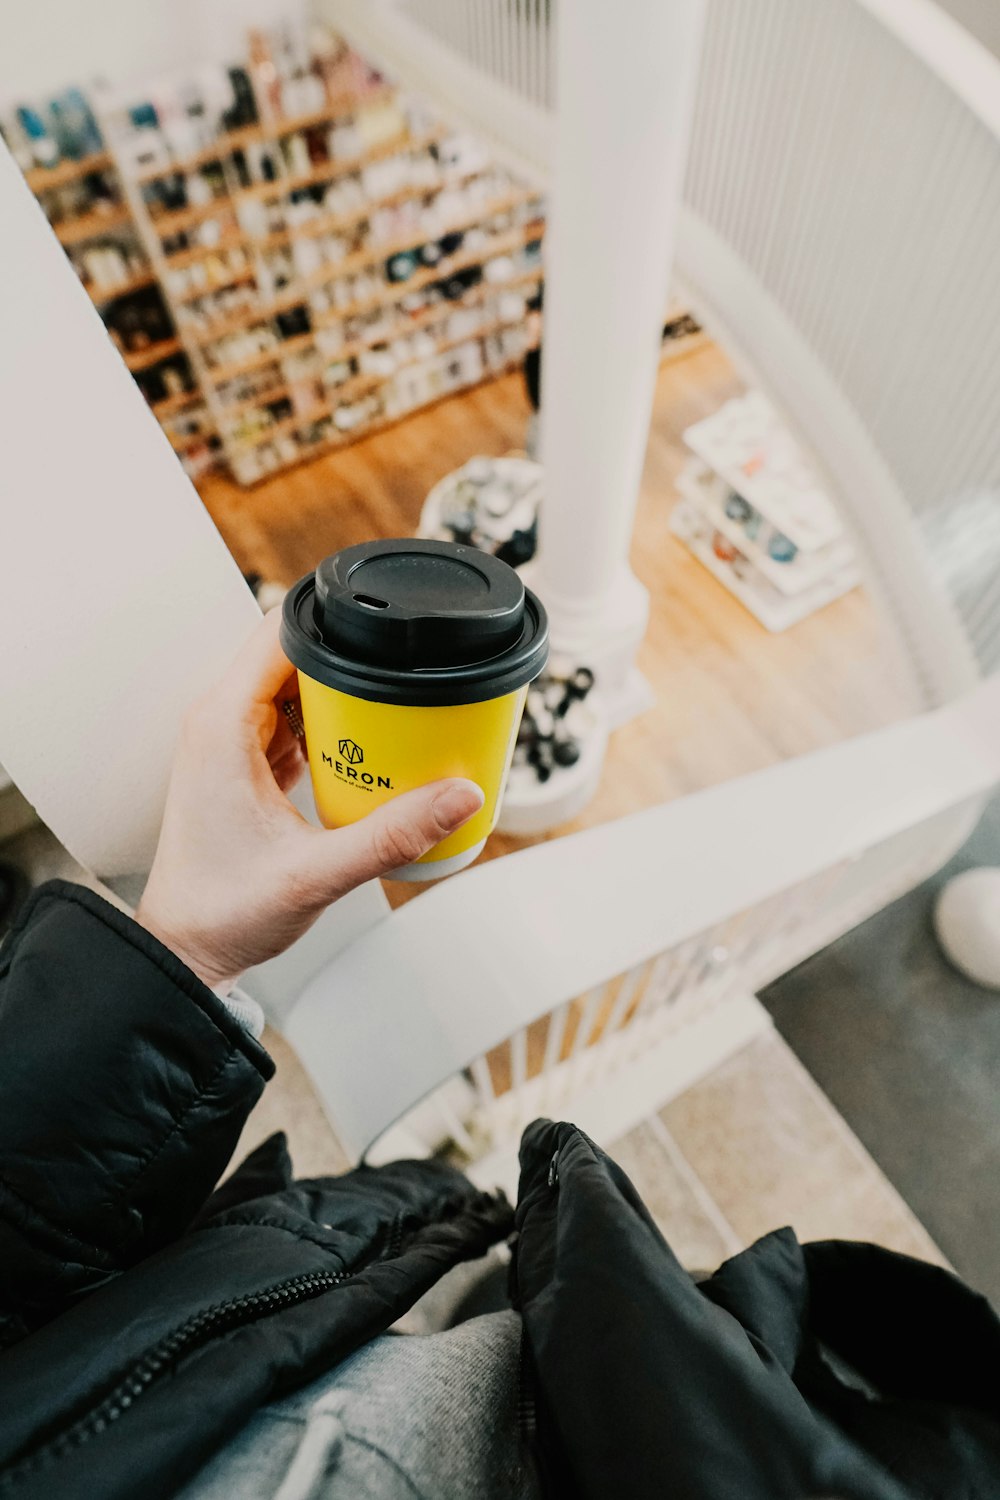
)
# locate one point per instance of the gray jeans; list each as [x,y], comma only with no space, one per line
[408,1417]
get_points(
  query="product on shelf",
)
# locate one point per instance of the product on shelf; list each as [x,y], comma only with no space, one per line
[296,250]
[138,321]
[746,443]
[492,504]
[682,333]
[553,728]
[290,236]
[681,330]
[752,512]
[63,130]
[110,266]
[360,316]
[489,503]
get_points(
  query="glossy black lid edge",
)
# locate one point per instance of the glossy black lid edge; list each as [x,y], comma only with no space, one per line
[414,603]
[436,687]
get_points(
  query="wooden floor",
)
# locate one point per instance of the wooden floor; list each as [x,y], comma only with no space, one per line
[730,697]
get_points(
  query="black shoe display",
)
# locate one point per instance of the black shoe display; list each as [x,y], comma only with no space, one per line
[548,736]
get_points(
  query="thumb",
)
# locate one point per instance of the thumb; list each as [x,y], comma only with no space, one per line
[394,834]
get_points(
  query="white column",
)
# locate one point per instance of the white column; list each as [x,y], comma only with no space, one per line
[626,79]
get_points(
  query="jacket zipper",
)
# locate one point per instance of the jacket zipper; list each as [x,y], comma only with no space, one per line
[527,1416]
[197,1330]
[527,1402]
[394,1244]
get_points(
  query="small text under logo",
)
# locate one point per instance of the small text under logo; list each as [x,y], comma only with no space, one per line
[345,767]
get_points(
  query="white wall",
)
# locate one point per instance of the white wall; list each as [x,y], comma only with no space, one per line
[46,45]
[981,17]
[149,604]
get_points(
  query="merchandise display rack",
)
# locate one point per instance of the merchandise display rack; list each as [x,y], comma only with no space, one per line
[308,325]
[321,254]
[295,318]
[752,513]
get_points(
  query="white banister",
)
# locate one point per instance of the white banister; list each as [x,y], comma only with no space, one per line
[451,54]
[849,261]
[947,50]
[471,962]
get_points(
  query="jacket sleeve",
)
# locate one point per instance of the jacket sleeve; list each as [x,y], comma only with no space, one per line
[124,1084]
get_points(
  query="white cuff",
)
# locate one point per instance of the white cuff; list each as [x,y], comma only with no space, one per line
[243,1008]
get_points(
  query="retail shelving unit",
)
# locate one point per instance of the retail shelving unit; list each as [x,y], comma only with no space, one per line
[326,270]
[752,513]
[332,269]
[321,271]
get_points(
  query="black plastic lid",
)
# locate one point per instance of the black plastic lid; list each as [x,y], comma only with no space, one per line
[415,622]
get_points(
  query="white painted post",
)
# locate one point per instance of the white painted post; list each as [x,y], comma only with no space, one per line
[625,90]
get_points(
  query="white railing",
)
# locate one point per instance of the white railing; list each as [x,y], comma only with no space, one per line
[490,63]
[511,41]
[841,233]
[613,1055]
[628,953]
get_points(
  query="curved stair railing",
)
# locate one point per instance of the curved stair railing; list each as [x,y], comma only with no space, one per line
[597,974]
[839,230]
[594,974]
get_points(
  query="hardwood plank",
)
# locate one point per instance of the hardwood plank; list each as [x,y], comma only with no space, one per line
[141,359]
[94,225]
[45,179]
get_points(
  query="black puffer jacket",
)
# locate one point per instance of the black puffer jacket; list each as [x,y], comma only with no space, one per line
[145,1321]
[834,1370]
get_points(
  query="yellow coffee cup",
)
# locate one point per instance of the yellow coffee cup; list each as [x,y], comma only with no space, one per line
[413,659]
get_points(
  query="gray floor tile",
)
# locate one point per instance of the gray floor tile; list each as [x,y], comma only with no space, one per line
[688,1219]
[909,1053]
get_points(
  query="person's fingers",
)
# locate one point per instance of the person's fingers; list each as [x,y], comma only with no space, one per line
[288,767]
[282,739]
[289,692]
[394,834]
[260,670]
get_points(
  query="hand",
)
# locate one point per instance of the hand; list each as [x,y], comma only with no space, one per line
[239,874]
